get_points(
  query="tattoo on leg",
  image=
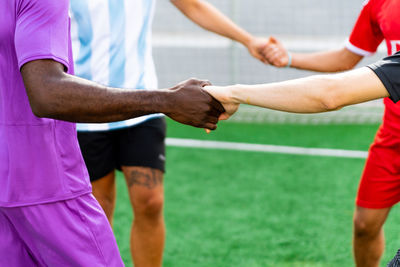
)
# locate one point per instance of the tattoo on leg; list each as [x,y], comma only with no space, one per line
[149,179]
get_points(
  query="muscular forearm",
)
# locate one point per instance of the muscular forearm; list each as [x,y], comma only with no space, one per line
[327,61]
[209,18]
[313,94]
[54,94]
[77,100]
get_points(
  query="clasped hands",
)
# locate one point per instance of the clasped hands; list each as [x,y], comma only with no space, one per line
[200,104]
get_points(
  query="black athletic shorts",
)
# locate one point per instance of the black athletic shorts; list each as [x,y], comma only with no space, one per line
[139,145]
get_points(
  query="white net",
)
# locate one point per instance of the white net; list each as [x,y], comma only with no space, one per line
[183,50]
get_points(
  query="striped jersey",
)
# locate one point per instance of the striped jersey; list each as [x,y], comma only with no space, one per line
[111,41]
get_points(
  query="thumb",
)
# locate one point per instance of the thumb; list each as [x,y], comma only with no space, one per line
[224,116]
[272,40]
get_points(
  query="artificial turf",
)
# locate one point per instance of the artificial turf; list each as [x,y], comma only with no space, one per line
[233,208]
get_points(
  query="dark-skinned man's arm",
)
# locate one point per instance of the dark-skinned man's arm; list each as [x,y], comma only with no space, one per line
[55,94]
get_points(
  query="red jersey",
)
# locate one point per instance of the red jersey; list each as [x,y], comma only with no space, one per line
[378,21]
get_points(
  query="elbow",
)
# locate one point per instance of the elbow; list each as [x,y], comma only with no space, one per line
[347,60]
[37,110]
[330,98]
[42,108]
[346,66]
[41,111]
[43,101]
[331,104]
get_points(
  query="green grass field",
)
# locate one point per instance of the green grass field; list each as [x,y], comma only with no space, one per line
[234,208]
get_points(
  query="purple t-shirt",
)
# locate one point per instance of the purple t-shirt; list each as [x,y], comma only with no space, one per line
[40,159]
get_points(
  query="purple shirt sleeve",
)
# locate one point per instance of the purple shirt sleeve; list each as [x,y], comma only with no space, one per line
[42,31]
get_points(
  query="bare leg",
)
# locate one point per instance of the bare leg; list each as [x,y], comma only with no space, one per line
[368,238]
[104,192]
[146,192]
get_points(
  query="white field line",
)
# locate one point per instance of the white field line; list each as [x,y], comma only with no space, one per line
[177,142]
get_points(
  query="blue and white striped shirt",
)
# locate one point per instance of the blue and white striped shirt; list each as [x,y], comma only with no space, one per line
[111,42]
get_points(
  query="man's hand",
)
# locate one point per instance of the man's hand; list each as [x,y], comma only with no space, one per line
[275,53]
[192,105]
[257,46]
[223,95]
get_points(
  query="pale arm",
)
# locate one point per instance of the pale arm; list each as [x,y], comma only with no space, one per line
[313,94]
[326,61]
[208,17]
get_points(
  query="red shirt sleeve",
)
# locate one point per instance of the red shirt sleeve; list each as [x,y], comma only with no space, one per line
[366,34]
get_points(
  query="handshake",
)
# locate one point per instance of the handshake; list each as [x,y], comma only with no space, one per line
[197,103]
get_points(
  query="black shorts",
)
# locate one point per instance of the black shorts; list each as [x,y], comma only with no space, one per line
[139,145]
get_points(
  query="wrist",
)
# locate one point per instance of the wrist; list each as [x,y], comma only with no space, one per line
[234,94]
[246,40]
[166,101]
